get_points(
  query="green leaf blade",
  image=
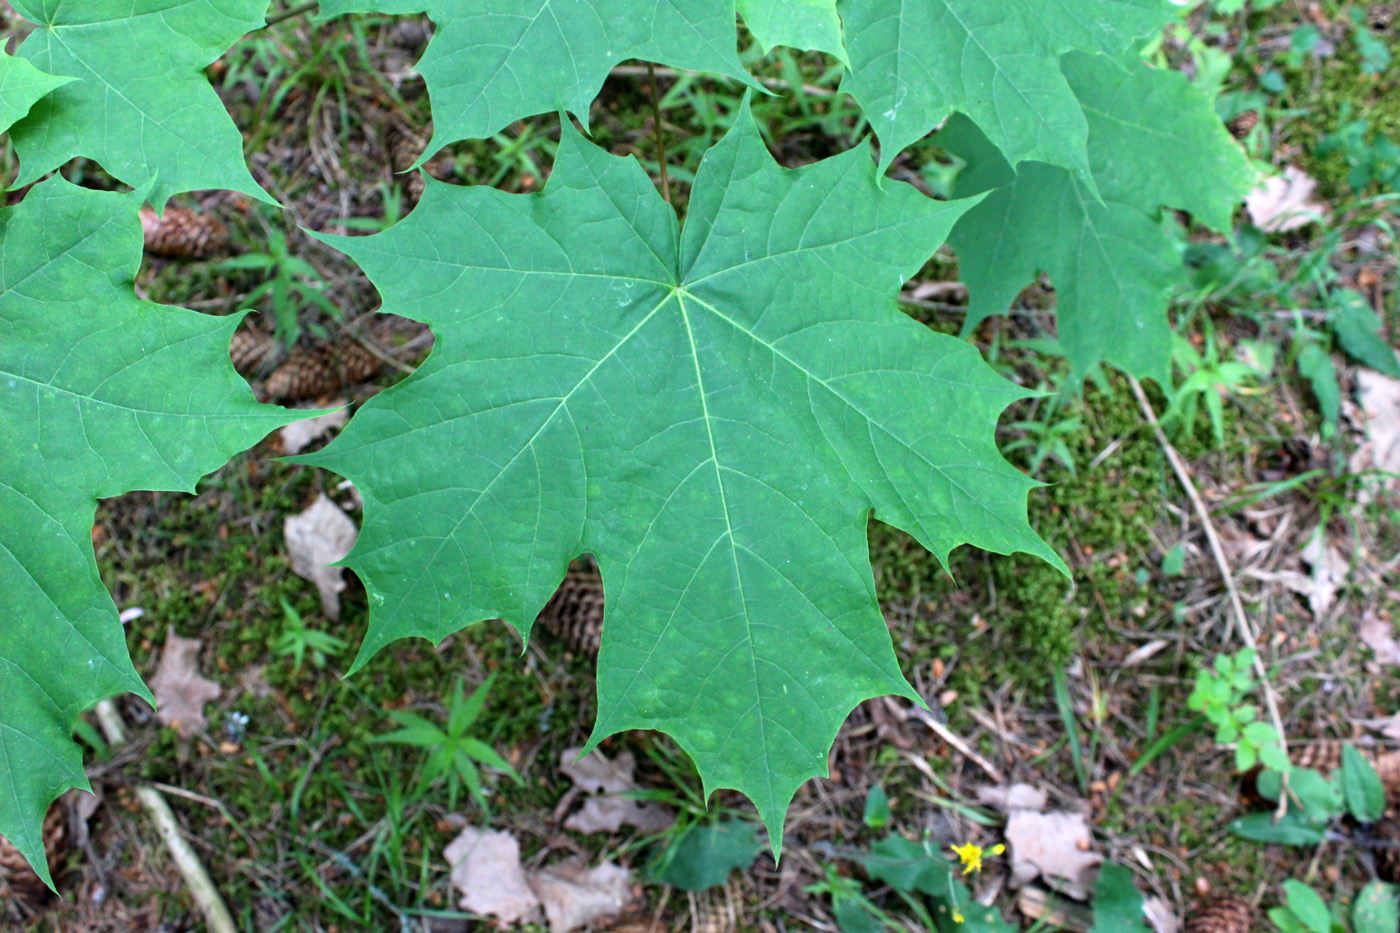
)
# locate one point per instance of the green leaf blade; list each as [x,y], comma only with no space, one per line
[138,101]
[21,85]
[492,62]
[798,24]
[100,393]
[692,410]
[1155,140]
[1362,787]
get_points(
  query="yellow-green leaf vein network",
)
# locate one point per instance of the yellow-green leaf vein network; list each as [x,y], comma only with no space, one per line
[712,412]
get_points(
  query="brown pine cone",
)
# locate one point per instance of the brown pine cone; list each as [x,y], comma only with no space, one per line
[574,614]
[248,349]
[405,145]
[1220,913]
[1387,765]
[1243,123]
[15,873]
[1386,834]
[310,372]
[183,234]
[1324,756]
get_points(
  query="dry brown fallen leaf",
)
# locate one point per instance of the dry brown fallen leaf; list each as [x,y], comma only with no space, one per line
[1285,202]
[1379,636]
[1054,846]
[179,689]
[1329,569]
[1378,397]
[321,535]
[607,810]
[486,870]
[299,435]
[574,894]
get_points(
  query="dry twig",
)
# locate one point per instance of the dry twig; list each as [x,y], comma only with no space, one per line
[1242,625]
[202,889]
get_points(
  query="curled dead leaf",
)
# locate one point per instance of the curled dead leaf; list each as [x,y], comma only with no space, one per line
[316,537]
[179,689]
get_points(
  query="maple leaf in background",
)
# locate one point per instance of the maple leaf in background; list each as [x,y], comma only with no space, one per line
[1111,262]
[138,101]
[713,413]
[21,85]
[492,62]
[915,63]
[100,393]
[798,24]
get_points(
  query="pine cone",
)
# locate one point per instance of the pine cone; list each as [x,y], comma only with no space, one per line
[1387,765]
[1324,756]
[405,146]
[1220,913]
[248,349]
[310,372]
[574,614]
[183,234]
[1243,123]
[15,873]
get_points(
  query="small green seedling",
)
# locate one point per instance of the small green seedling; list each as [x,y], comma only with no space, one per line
[452,753]
[1375,910]
[1316,802]
[1220,696]
[297,641]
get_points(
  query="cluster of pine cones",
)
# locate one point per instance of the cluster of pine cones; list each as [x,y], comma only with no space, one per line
[309,370]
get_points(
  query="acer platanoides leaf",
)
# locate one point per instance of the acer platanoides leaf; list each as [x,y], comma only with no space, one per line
[492,62]
[798,24]
[1111,262]
[139,102]
[713,412]
[100,393]
[21,84]
[914,62]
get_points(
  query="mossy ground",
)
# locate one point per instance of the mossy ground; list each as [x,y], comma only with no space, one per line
[308,823]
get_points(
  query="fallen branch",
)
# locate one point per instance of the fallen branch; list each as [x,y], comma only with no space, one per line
[202,889]
[1217,550]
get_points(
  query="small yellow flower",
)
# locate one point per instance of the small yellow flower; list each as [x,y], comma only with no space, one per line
[957,916]
[971,856]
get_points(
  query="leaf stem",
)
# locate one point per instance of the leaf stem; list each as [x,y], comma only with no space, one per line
[660,133]
[276,18]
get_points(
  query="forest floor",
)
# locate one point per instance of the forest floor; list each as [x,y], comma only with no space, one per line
[1074,687]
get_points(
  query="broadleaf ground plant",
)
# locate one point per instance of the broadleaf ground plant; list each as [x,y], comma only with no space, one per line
[712,405]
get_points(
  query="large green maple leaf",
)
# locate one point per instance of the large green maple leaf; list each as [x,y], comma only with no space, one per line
[1154,141]
[914,62]
[712,412]
[492,62]
[21,84]
[100,393]
[139,103]
[799,24]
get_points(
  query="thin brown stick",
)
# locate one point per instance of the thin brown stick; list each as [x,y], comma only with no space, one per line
[1217,550]
[206,896]
[660,132]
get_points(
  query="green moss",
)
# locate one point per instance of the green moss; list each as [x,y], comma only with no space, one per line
[1016,619]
